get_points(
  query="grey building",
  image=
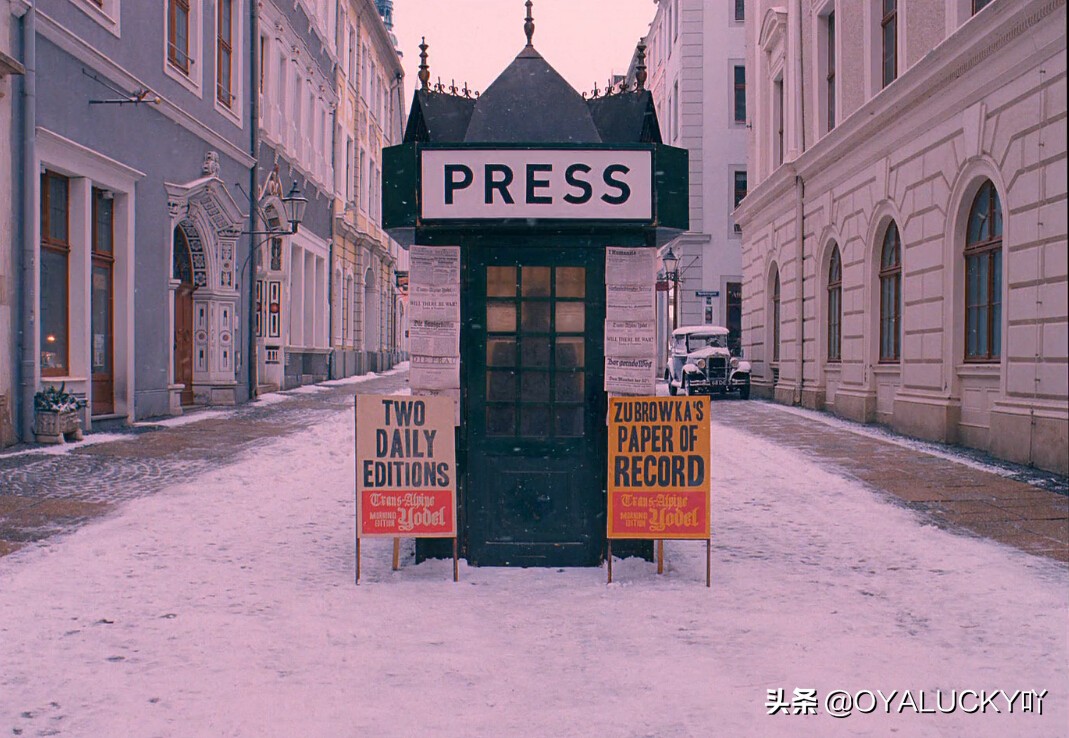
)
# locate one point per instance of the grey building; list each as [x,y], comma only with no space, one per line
[130,145]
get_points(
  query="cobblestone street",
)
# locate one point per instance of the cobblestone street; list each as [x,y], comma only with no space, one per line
[42,493]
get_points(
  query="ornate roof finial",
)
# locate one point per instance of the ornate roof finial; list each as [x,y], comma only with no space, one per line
[424,70]
[529,26]
[640,67]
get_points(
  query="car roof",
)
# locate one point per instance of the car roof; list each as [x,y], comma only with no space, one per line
[701,330]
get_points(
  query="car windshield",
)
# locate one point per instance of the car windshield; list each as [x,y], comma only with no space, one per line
[700,342]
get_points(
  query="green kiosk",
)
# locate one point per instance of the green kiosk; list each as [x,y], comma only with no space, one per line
[531,182]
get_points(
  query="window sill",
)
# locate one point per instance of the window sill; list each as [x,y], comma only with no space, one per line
[887,368]
[183,78]
[109,20]
[979,369]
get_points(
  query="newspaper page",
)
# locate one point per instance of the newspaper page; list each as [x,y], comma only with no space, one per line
[434,372]
[631,266]
[434,268]
[631,338]
[630,375]
[434,337]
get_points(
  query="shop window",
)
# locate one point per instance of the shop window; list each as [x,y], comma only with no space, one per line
[55,275]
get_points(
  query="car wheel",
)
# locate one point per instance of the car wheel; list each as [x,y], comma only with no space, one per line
[671,387]
[744,392]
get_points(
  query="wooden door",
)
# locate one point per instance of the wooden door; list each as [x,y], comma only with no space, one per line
[536,421]
[183,341]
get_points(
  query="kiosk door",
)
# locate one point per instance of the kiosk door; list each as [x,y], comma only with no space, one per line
[536,444]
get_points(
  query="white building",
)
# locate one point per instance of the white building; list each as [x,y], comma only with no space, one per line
[904,239]
[696,62]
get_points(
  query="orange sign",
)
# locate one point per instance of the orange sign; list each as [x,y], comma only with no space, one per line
[405,467]
[659,483]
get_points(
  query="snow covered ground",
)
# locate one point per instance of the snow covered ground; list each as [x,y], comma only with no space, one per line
[226,607]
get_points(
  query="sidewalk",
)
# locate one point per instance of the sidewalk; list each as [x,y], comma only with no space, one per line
[954,488]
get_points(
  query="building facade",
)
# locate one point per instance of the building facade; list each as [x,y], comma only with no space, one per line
[299,97]
[904,238]
[695,55]
[367,299]
[10,70]
[133,138]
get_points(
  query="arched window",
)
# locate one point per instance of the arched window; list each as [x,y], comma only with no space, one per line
[835,306]
[891,295]
[775,318]
[181,258]
[983,277]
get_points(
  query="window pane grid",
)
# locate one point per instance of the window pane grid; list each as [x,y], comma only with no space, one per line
[533,390]
[983,277]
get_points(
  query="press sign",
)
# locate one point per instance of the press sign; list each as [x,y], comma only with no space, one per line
[566,184]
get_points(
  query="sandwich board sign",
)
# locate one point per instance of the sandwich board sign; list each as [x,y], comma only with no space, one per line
[405,469]
[659,476]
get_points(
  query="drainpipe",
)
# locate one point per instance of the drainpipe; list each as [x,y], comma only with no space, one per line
[254,183]
[27,345]
[799,187]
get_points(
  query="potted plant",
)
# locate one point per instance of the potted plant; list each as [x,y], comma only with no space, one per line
[56,415]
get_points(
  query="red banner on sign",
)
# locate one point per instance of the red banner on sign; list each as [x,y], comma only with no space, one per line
[406,514]
[659,514]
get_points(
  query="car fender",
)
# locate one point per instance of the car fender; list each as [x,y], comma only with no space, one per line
[744,366]
[689,368]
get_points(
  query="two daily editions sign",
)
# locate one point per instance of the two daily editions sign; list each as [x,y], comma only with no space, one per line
[405,467]
[659,484]
[566,184]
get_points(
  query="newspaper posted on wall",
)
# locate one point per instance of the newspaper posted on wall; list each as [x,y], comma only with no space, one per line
[433,268]
[405,467]
[434,337]
[659,476]
[434,372]
[627,265]
[631,338]
[631,375]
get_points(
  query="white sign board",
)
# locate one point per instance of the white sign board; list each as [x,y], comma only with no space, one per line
[566,184]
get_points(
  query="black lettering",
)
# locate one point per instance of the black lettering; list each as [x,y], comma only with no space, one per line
[443,473]
[501,185]
[369,473]
[452,184]
[582,185]
[625,190]
[695,471]
[620,476]
[382,443]
[540,184]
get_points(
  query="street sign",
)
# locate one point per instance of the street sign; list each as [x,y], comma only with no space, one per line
[708,293]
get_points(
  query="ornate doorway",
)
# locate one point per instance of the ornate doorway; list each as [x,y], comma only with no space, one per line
[183,316]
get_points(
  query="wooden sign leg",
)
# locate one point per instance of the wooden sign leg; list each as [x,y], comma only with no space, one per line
[660,556]
[456,566]
[610,561]
[356,495]
[358,559]
[396,554]
[708,562]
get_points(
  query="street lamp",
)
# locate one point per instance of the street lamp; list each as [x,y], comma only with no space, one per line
[671,264]
[293,204]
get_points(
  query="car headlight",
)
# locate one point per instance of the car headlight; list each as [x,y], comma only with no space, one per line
[701,363]
[734,362]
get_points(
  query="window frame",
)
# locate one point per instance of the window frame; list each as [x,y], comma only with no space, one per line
[738,115]
[224,45]
[888,19]
[835,306]
[63,248]
[104,260]
[776,316]
[989,249]
[832,60]
[740,11]
[890,277]
[172,36]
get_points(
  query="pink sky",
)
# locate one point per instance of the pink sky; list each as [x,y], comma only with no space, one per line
[474,40]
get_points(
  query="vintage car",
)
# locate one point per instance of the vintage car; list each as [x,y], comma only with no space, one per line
[700,362]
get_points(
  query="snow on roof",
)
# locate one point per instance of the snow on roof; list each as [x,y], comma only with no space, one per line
[701,330]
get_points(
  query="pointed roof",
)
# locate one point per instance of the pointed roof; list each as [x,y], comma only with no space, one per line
[531,103]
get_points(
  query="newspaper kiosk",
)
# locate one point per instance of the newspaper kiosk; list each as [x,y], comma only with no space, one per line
[531,182]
